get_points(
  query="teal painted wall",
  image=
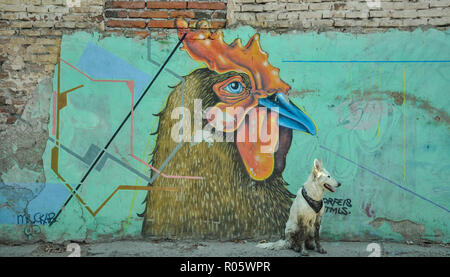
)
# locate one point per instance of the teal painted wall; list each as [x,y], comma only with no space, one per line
[383,132]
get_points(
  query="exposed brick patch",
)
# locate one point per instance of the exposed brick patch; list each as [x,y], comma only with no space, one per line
[11,120]
[219,15]
[340,15]
[30,32]
[165,12]
[338,6]
[30,36]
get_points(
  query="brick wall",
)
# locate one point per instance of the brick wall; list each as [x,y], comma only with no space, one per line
[30,37]
[161,14]
[357,16]
[31,32]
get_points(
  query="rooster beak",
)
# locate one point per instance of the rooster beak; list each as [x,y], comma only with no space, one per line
[290,115]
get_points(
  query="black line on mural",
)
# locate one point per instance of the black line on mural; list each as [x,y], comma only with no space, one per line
[149,57]
[172,154]
[118,129]
[92,152]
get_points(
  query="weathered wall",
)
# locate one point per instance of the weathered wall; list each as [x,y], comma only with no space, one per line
[378,100]
[362,16]
[30,36]
[161,14]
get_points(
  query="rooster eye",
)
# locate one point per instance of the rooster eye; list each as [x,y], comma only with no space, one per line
[234,87]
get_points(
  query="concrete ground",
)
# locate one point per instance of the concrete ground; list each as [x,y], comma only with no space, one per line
[185,248]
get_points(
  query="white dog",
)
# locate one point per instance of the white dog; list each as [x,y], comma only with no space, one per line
[303,226]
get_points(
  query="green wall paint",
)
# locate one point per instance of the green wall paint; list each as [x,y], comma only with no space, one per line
[358,107]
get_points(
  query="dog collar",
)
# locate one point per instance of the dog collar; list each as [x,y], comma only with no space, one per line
[314,204]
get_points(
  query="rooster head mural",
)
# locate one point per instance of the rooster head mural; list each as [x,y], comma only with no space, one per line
[241,192]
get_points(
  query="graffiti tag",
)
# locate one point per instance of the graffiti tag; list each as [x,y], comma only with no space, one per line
[38,218]
[31,230]
[337,205]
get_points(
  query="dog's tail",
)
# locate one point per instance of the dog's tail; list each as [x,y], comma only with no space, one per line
[278,245]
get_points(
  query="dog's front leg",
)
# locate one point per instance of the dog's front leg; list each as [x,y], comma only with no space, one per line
[292,240]
[303,249]
[300,242]
[296,241]
[319,247]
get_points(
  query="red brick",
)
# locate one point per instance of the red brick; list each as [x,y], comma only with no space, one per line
[192,23]
[126,23]
[186,14]
[219,15]
[161,24]
[119,14]
[149,14]
[128,4]
[99,18]
[17,102]
[338,6]
[215,24]
[166,5]
[207,5]
[218,24]
[141,34]
[11,120]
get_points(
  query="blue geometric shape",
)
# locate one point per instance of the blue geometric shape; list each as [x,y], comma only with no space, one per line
[42,205]
[100,64]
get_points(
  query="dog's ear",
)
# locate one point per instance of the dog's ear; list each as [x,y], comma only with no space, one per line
[317,167]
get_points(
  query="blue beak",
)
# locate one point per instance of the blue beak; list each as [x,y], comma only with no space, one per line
[290,115]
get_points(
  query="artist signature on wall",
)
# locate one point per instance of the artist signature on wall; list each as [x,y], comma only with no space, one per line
[338,205]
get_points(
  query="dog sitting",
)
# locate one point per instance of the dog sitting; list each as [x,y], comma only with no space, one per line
[302,228]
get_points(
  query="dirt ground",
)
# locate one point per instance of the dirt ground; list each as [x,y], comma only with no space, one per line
[185,248]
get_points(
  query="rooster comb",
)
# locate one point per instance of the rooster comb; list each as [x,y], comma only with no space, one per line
[210,48]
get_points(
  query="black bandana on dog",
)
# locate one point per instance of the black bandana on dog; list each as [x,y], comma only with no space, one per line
[314,204]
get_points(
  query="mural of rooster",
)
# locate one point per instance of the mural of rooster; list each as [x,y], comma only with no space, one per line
[242,193]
